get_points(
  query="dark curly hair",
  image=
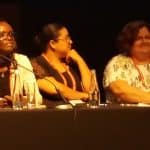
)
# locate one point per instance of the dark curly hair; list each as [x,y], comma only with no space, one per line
[128,35]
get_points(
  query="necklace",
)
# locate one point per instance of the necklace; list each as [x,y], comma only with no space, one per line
[2,75]
[140,76]
[66,68]
[2,71]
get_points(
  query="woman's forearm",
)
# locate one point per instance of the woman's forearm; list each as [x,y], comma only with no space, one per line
[49,86]
[128,93]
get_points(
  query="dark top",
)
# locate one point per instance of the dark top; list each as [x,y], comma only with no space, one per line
[42,69]
[4,84]
[5,76]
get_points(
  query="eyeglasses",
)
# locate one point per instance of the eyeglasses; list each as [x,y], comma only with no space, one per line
[142,38]
[4,35]
[66,39]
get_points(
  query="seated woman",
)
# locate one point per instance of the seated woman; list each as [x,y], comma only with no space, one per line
[127,75]
[55,66]
[15,69]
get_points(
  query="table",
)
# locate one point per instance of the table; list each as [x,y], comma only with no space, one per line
[108,127]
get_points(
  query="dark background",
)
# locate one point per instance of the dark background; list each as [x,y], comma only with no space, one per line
[93,25]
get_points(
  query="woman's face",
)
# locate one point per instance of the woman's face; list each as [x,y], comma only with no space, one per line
[63,43]
[7,39]
[141,44]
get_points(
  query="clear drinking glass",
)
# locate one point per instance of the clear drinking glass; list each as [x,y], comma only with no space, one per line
[29,89]
[17,101]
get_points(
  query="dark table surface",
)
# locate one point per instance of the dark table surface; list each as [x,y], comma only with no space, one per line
[107,127]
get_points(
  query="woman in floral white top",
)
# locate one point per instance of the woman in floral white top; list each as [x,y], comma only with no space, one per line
[127,75]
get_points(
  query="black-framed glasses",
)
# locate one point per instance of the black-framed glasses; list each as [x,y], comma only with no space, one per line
[4,35]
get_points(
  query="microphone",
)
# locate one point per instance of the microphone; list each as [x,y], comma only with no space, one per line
[15,64]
